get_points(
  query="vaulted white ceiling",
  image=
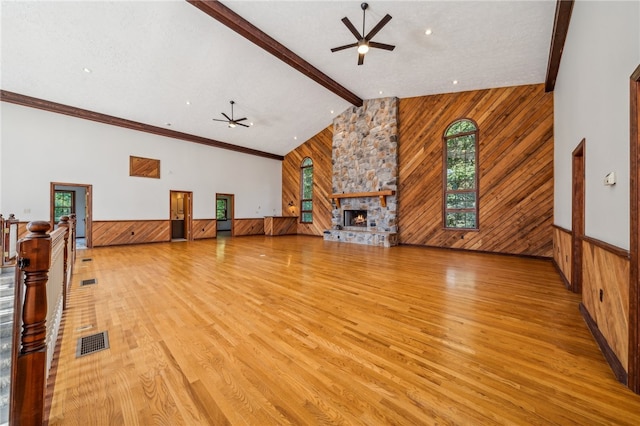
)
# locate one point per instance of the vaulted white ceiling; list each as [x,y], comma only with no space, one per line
[168,64]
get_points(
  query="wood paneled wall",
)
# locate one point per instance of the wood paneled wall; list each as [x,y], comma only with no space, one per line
[607,271]
[204,228]
[117,232]
[248,227]
[280,225]
[318,148]
[562,252]
[515,169]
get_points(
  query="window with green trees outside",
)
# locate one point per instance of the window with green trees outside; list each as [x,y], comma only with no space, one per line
[461,175]
[306,191]
[63,204]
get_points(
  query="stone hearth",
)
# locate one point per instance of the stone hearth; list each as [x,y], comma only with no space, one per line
[365,161]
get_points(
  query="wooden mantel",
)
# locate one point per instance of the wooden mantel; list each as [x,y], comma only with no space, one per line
[381,194]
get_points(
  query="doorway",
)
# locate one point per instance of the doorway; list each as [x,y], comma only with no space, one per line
[180,207]
[633,373]
[224,215]
[73,198]
[577,216]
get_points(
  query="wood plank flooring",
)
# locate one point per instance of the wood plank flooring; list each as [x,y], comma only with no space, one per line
[294,330]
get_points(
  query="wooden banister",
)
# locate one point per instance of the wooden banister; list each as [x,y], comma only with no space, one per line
[73,222]
[28,389]
[64,223]
[8,239]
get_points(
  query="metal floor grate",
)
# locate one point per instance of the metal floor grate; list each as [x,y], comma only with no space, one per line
[87,259]
[94,343]
[88,282]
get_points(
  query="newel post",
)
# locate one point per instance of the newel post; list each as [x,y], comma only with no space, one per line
[64,223]
[34,259]
[74,224]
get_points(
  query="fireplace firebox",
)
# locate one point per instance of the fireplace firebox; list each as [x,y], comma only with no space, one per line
[355,218]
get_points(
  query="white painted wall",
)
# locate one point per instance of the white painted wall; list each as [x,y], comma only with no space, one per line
[71,150]
[591,101]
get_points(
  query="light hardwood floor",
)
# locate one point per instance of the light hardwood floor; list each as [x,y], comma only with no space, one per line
[295,330]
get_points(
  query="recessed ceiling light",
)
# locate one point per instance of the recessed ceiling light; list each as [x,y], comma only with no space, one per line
[295,138]
[87,70]
[188,102]
[380,92]
[428,31]
[250,124]
[455,81]
[331,112]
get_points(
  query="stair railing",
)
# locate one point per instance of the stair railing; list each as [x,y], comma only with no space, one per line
[44,263]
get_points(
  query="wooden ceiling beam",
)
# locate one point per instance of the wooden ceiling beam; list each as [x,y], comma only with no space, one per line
[18,99]
[559,36]
[237,23]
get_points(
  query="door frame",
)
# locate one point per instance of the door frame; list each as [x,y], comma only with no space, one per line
[633,373]
[230,210]
[188,213]
[88,223]
[577,215]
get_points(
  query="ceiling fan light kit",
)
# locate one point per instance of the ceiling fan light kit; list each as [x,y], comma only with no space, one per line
[231,122]
[364,42]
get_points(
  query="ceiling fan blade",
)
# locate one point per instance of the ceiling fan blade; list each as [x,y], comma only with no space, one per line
[226,116]
[381,45]
[360,58]
[215,119]
[378,27]
[346,46]
[240,119]
[353,30]
[243,125]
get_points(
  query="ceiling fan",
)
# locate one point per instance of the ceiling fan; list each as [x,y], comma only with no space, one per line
[364,42]
[231,121]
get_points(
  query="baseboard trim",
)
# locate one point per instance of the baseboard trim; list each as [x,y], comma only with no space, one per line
[521,255]
[565,281]
[609,355]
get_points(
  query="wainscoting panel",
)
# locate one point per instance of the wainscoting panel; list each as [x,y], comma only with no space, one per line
[248,227]
[280,225]
[318,148]
[515,176]
[562,252]
[607,273]
[204,228]
[117,232]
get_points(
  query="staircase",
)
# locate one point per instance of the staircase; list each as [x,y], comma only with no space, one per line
[7,277]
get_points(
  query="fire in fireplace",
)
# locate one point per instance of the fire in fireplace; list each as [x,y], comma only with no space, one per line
[355,218]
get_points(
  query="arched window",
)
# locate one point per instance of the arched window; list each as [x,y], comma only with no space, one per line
[461,175]
[306,191]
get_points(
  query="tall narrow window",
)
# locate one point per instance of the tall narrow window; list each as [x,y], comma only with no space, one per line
[64,204]
[461,175]
[306,191]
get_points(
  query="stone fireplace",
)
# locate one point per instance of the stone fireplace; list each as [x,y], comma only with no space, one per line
[365,170]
